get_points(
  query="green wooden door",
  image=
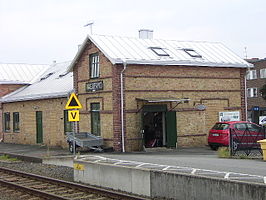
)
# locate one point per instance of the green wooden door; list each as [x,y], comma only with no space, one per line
[171,134]
[39,128]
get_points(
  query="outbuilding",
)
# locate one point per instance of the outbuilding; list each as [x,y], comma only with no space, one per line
[143,92]
[16,75]
[34,114]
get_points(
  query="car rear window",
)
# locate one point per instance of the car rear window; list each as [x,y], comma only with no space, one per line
[220,126]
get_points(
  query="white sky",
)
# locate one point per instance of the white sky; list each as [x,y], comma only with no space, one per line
[41,31]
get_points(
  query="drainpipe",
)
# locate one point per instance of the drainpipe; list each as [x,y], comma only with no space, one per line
[246,98]
[122,105]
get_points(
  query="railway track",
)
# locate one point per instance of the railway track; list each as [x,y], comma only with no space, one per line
[35,187]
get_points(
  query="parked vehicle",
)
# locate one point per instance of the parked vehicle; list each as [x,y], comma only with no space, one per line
[247,132]
[84,140]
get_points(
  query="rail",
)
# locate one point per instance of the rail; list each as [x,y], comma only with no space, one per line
[49,188]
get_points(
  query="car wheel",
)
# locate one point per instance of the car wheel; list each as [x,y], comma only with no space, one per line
[70,147]
[213,147]
[235,144]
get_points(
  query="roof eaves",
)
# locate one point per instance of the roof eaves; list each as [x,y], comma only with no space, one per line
[36,97]
[183,63]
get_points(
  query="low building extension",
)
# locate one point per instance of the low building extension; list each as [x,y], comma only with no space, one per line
[34,114]
[14,76]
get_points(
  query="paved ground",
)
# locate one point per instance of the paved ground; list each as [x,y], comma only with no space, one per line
[200,158]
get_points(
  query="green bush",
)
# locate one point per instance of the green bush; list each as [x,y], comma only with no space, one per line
[224,152]
[7,158]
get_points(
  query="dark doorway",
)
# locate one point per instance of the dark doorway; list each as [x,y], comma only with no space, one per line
[153,129]
[159,126]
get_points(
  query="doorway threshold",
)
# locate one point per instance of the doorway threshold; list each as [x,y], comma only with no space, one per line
[158,149]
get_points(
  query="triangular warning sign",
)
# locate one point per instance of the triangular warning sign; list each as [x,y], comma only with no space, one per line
[73,102]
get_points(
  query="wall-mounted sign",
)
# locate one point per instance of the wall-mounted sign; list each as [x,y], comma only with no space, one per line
[262,120]
[94,86]
[256,108]
[229,116]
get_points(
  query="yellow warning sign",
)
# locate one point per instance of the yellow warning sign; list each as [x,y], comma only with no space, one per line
[79,166]
[73,115]
[73,102]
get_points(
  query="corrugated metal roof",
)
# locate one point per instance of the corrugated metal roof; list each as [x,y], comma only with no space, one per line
[138,51]
[20,73]
[55,82]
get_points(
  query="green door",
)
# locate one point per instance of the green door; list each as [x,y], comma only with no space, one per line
[39,128]
[171,134]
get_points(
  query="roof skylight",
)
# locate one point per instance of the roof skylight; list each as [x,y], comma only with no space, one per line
[159,51]
[47,75]
[192,53]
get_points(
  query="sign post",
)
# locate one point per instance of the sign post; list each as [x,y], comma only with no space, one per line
[73,115]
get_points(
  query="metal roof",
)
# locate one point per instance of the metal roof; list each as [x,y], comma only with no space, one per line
[20,73]
[55,82]
[140,51]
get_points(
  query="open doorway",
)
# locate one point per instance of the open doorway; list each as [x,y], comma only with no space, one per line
[158,126]
[154,129]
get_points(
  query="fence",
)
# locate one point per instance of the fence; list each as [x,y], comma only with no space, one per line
[243,141]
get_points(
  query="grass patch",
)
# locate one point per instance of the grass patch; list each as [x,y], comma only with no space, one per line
[7,158]
[224,152]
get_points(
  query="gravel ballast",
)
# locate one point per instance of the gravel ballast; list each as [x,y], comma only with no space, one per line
[54,171]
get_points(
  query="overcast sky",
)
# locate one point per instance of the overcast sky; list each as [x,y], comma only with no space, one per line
[41,31]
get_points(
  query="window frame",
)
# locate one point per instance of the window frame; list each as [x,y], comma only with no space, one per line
[252,74]
[94,65]
[7,123]
[192,53]
[95,115]
[159,51]
[263,73]
[252,92]
[16,122]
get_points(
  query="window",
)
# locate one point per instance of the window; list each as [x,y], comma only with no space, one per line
[159,51]
[94,66]
[263,73]
[192,53]
[16,121]
[252,92]
[252,74]
[220,126]
[6,121]
[95,119]
[68,126]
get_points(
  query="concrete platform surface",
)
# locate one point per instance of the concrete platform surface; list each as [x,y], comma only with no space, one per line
[198,158]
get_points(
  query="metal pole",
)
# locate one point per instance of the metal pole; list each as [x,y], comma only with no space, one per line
[74,136]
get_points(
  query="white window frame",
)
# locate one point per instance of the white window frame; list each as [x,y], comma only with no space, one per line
[94,66]
[252,92]
[252,74]
[263,73]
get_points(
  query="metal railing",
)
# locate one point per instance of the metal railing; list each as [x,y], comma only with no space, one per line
[244,142]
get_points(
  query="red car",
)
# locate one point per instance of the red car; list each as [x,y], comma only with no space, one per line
[219,134]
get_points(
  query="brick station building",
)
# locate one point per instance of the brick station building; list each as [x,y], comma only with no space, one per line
[143,92]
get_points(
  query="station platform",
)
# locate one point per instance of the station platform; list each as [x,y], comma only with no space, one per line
[32,153]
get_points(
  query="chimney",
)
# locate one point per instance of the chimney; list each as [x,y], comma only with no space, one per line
[145,34]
